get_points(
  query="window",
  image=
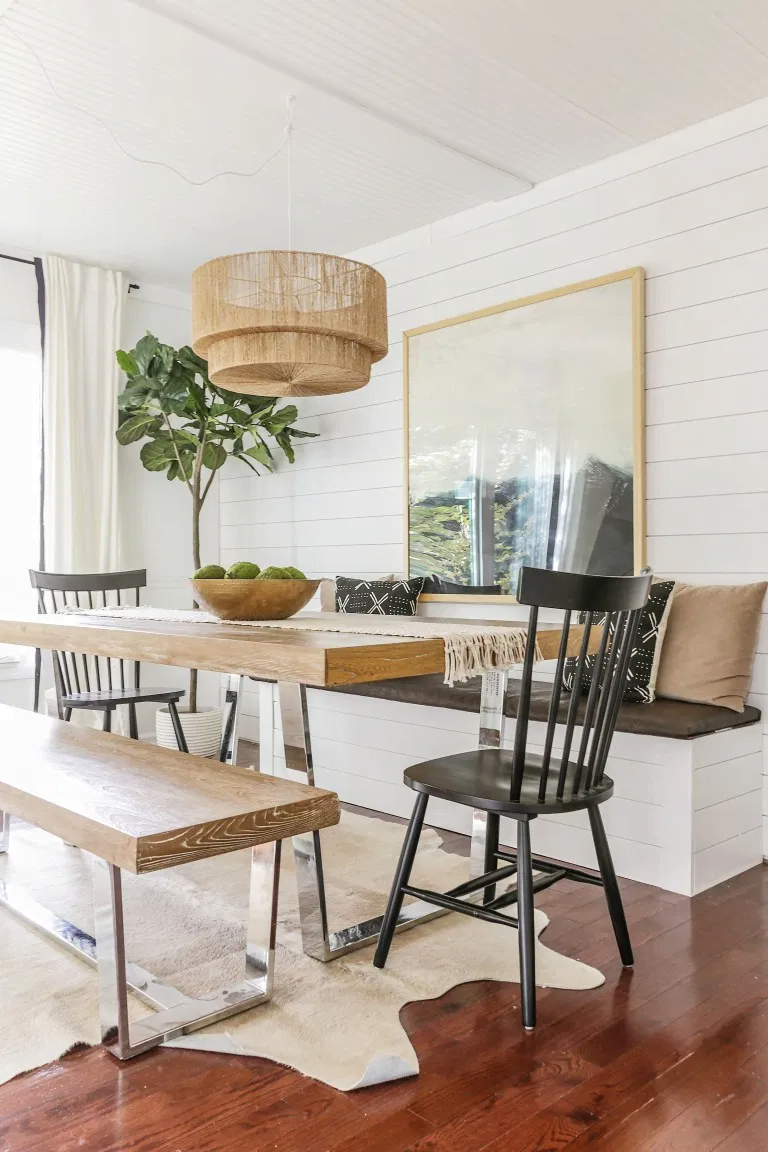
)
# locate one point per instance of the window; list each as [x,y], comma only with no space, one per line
[20,448]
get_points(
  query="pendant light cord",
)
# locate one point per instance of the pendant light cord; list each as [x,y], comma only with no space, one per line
[289,140]
[70,107]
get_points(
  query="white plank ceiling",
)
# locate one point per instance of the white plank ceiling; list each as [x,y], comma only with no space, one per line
[407,111]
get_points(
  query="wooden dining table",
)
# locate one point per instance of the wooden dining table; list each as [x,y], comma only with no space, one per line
[289,662]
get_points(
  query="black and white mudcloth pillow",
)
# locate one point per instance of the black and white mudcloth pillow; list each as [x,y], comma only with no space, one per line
[646,653]
[378,597]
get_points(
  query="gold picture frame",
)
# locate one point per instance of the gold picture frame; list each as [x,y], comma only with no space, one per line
[636,277]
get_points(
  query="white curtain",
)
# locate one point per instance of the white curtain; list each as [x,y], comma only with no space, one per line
[81,380]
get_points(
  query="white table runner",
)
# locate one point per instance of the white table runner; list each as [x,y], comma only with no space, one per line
[470,649]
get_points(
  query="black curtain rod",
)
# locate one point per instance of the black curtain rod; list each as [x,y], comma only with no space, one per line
[22,260]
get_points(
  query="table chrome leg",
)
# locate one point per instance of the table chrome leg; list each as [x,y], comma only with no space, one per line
[234,695]
[494,691]
[317,939]
[126,1038]
[267,728]
[307,849]
[5,831]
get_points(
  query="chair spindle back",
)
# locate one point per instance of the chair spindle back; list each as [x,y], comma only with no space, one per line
[76,672]
[613,604]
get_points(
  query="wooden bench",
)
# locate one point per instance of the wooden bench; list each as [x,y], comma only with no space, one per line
[140,808]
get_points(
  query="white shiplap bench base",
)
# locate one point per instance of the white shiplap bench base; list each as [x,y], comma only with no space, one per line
[686,814]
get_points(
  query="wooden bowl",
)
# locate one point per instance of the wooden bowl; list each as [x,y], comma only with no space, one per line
[254,599]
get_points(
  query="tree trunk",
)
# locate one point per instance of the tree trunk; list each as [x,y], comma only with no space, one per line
[196,509]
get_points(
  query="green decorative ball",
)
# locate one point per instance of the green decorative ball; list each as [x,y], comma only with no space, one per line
[294,573]
[243,570]
[274,573]
[210,572]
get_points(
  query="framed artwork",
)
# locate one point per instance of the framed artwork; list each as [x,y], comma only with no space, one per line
[525,439]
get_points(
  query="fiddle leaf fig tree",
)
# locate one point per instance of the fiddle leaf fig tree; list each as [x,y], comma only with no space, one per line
[191,427]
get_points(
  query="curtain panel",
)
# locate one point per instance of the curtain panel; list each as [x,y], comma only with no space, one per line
[81,380]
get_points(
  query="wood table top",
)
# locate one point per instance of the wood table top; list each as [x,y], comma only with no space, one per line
[139,806]
[318,659]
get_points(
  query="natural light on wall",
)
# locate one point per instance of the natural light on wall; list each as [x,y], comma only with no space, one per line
[20,392]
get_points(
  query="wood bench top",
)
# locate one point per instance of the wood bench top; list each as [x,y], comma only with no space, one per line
[141,807]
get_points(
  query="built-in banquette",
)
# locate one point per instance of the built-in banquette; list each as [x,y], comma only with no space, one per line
[687,806]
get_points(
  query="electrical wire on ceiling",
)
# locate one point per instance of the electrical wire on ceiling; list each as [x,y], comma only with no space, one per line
[285,142]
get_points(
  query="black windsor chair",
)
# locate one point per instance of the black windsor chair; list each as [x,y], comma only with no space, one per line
[523,783]
[100,683]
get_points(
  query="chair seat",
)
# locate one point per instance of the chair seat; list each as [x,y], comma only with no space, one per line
[113,697]
[481,779]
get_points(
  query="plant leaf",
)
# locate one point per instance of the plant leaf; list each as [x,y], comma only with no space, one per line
[137,426]
[127,362]
[135,394]
[144,351]
[280,419]
[163,361]
[261,453]
[187,465]
[157,454]
[258,405]
[190,360]
[245,460]
[284,441]
[214,455]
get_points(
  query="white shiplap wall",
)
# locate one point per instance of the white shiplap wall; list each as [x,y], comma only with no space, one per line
[692,209]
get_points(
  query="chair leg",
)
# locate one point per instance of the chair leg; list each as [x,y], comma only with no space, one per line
[67,714]
[108,720]
[402,876]
[612,893]
[178,731]
[133,723]
[491,848]
[526,932]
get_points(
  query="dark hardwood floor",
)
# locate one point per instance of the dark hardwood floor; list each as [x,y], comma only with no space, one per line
[670,1057]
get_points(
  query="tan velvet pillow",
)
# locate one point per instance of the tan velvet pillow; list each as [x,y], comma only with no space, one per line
[709,645]
[328,592]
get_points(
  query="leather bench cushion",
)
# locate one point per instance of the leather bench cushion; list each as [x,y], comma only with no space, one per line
[673,719]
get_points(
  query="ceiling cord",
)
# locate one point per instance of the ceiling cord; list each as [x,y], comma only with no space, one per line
[286,141]
[289,140]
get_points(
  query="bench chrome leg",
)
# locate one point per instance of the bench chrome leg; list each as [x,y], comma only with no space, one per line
[180,1014]
[317,939]
[5,831]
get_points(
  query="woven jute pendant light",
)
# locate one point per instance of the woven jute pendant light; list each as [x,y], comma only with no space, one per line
[285,323]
